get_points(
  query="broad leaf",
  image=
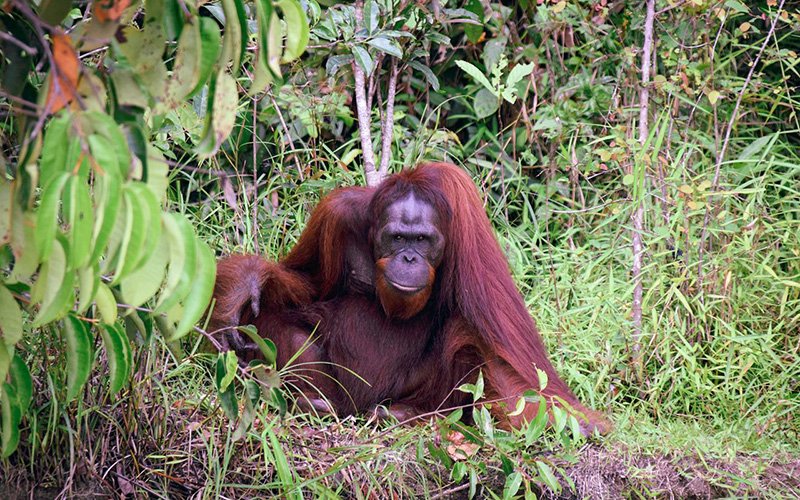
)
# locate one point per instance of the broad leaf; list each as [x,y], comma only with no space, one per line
[118,352]
[10,318]
[476,75]
[54,285]
[182,264]
[363,59]
[79,353]
[22,382]
[187,68]
[10,417]
[386,45]
[199,297]
[47,215]
[296,29]
[144,283]
[106,303]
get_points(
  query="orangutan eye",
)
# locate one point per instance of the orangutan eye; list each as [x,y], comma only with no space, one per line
[420,238]
[397,237]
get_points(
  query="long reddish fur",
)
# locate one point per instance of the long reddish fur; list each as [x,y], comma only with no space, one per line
[476,288]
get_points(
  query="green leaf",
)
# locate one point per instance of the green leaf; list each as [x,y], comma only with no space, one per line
[6,210]
[472,31]
[88,280]
[47,216]
[371,15]
[513,482]
[173,17]
[476,75]
[627,179]
[333,63]
[142,284]
[196,303]
[516,75]
[387,45]
[106,160]
[363,59]
[275,47]
[537,425]
[559,419]
[246,420]
[229,403]
[547,476]
[54,149]
[144,50]
[106,303]
[107,198]
[131,237]
[736,5]
[105,126]
[296,29]
[223,115]
[227,365]
[78,214]
[210,40]
[186,71]
[431,78]
[756,148]
[234,43]
[54,11]
[80,355]
[262,77]
[182,264]
[54,285]
[485,104]
[23,245]
[266,346]
[269,36]
[134,136]
[541,377]
[6,355]
[22,382]
[157,174]
[149,209]
[10,318]
[438,38]
[120,358]
[11,417]
[575,427]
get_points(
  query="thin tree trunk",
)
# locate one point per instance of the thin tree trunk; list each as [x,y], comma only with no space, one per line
[387,125]
[363,111]
[637,219]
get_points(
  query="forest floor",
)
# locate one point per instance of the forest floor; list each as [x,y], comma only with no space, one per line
[354,459]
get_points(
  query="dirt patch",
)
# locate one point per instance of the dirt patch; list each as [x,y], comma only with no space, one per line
[613,473]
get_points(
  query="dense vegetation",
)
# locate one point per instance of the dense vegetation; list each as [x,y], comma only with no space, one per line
[650,213]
